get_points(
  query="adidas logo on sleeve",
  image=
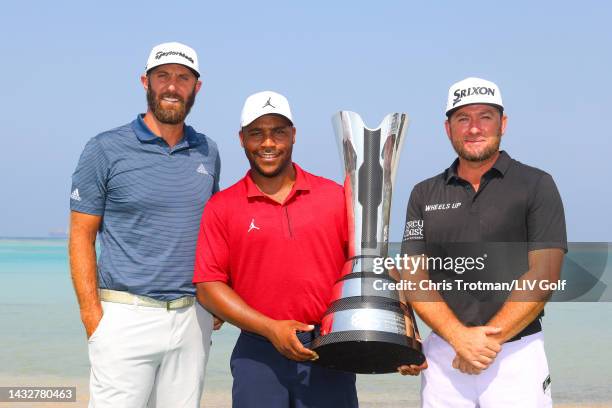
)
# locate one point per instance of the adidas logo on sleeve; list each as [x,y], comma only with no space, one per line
[75,195]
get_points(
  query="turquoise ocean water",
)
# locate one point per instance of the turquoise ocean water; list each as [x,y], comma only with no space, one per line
[41,334]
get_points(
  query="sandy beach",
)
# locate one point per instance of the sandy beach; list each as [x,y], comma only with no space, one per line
[216,398]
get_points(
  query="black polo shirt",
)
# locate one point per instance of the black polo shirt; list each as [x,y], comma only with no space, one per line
[516,209]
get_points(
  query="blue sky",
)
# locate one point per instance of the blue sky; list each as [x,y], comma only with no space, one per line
[71,70]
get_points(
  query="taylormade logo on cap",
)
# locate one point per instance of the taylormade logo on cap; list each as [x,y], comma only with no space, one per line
[173,53]
[264,103]
[473,90]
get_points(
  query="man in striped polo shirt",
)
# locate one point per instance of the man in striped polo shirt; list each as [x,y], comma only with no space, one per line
[142,187]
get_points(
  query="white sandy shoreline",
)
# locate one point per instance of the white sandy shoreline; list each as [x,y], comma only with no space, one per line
[214,398]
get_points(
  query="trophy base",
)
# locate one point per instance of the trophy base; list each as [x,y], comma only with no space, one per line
[367,351]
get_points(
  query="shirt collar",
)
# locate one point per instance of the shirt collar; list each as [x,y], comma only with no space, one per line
[301,183]
[191,136]
[501,166]
[144,134]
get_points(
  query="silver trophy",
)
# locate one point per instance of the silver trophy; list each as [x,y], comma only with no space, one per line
[366,330]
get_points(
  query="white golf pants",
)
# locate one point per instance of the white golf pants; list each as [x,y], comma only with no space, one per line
[149,357]
[518,377]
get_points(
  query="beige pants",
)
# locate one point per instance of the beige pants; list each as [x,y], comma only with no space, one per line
[149,357]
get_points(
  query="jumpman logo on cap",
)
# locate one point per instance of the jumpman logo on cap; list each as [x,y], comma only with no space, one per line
[268,104]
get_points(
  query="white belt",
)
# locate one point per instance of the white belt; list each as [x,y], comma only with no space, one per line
[116,296]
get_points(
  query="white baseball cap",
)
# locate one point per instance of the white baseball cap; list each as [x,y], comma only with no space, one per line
[473,90]
[263,103]
[173,53]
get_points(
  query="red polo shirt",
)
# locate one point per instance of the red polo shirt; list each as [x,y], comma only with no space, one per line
[281,259]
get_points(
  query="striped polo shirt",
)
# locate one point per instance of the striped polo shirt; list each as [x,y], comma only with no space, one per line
[151,198]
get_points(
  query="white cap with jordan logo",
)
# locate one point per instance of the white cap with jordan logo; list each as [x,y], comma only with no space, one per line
[473,90]
[173,53]
[264,103]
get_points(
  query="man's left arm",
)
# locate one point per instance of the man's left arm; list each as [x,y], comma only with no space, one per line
[547,244]
[522,308]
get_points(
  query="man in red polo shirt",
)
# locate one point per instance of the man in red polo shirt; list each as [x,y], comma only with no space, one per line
[269,251]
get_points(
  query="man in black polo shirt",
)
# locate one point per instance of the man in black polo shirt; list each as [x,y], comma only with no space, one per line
[498,221]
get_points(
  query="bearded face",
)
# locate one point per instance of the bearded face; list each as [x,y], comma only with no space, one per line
[475,132]
[465,148]
[169,107]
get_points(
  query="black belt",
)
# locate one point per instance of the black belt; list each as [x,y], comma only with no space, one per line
[532,328]
[303,337]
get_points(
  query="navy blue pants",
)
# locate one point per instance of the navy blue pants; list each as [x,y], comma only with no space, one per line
[265,378]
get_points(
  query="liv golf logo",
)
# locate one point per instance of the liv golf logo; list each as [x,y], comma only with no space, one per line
[475,90]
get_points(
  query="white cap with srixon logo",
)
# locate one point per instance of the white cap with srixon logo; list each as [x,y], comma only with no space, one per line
[263,103]
[473,90]
[173,53]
